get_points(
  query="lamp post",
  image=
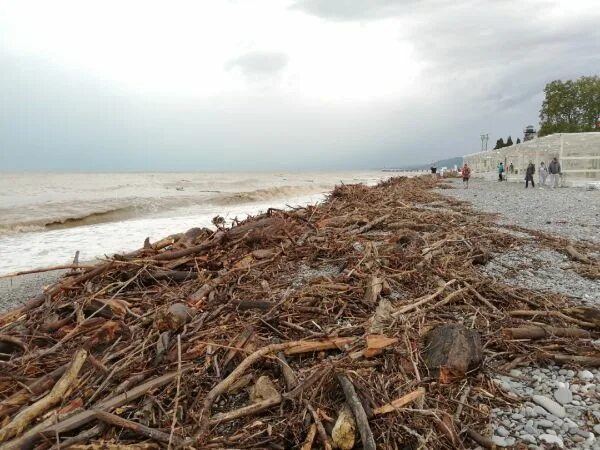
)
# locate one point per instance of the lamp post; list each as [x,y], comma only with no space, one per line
[484,139]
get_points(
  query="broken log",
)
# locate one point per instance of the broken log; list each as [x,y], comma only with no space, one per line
[542,332]
[451,351]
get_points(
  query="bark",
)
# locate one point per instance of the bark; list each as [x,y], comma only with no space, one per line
[538,332]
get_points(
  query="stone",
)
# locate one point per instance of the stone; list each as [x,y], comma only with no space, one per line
[597,429]
[264,389]
[563,395]
[544,423]
[528,438]
[530,429]
[343,434]
[552,439]
[499,441]
[585,375]
[538,410]
[550,405]
[517,416]
[501,431]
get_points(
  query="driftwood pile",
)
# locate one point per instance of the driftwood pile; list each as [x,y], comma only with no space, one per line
[360,322]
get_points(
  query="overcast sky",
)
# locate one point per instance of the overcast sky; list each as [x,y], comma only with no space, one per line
[275,84]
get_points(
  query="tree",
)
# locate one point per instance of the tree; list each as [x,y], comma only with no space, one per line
[499,144]
[570,106]
[518,140]
[509,142]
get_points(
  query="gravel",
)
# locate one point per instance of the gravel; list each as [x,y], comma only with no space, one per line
[17,290]
[570,212]
[560,407]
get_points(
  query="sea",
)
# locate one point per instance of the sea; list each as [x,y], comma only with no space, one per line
[45,218]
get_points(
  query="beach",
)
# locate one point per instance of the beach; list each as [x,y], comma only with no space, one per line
[367,260]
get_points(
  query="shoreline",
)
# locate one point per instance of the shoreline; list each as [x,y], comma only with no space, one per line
[385,265]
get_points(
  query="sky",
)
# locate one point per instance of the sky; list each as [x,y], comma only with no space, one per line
[277,84]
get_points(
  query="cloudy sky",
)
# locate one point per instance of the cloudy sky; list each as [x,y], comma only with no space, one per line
[276,84]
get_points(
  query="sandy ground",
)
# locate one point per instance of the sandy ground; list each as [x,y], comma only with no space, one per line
[17,290]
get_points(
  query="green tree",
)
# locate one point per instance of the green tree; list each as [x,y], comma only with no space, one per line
[518,140]
[499,144]
[570,106]
[509,142]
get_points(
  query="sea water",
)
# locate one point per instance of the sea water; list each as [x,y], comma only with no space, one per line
[46,217]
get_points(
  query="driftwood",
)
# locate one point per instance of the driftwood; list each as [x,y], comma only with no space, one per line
[538,332]
[293,297]
[366,435]
[451,351]
[25,417]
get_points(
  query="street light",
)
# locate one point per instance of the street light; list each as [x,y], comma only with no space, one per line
[484,139]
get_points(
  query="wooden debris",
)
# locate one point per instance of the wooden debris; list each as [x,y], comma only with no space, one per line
[451,351]
[343,434]
[371,283]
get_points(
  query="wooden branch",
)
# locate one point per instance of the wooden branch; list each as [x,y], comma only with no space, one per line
[558,314]
[400,402]
[174,254]
[372,224]
[28,415]
[319,425]
[292,347]
[86,416]
[246,410]
[366,435]
[310,437]
[138,428]
[422,301]
[576,256]
[589,361]
[541,332]
[46,269]
[38,387]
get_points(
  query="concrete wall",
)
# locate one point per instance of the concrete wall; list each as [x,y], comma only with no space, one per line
[578,153]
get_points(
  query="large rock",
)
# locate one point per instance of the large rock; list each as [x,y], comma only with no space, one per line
[550,405]
[451,351]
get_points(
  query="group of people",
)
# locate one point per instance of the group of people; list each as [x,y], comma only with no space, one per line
[551,173]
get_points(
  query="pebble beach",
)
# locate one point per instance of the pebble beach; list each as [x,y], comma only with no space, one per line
[559,406]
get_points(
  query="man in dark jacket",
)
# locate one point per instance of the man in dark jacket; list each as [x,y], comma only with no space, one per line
[554,172]
[529,175]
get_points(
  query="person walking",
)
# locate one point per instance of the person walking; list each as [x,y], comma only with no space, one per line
[511,168]
[529,173]
[500,170]
[466,174]
[554,172]
[543,173]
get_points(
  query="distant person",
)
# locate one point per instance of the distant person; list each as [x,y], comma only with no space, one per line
[500,170]
[543,173]
[466,174]
[511,168]
[529,173]
[554,172]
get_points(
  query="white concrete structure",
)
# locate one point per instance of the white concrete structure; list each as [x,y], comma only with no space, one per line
[578,153]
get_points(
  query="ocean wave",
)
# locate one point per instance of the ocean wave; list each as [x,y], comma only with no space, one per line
[76,214]
[266,194]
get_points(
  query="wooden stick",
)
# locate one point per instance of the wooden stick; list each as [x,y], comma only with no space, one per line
[38,387]
[294,347]
[541,332]
[47,269]
[590,361]
[422,301]
[174,421]
[366,435]
[138,428]
[310,437]
[319,425]
[372,224]
[560,315]
[246,410]
[25,417]
[400,402]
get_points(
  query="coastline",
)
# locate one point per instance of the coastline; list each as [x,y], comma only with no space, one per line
[362,264]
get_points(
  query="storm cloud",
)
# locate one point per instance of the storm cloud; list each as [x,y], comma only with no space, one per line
[305,84]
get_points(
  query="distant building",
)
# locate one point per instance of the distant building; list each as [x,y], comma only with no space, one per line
[529,133]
